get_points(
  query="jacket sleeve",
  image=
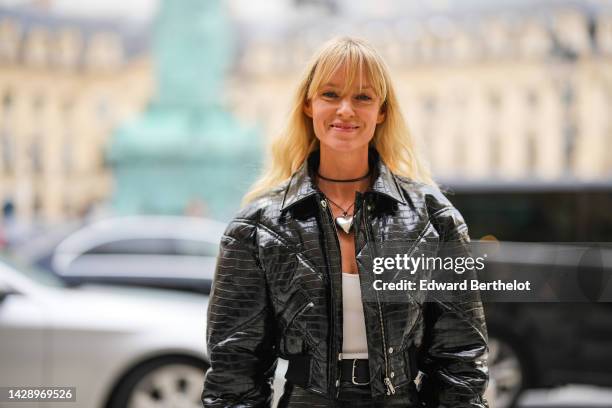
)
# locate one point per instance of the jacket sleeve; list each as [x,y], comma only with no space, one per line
[239,329]
[454,353]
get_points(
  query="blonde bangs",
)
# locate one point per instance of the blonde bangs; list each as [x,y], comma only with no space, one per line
[358,62]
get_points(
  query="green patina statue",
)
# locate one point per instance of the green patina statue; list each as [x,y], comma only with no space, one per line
[185,153]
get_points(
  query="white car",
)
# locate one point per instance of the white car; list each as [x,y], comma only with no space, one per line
[120,347]
[160,251]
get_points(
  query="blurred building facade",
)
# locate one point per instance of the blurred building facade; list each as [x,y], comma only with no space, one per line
[510,95]
[65,84]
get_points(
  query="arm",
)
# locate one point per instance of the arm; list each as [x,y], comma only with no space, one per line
[454,353]
[240,335]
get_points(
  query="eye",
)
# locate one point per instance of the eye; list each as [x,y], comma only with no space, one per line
[329,94]
[363,97]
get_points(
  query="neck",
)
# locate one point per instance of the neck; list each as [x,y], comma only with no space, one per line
[343,166]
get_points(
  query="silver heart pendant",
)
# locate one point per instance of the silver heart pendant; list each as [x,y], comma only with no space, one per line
[345,223]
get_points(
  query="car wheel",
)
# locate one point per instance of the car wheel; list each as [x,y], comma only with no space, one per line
[167,382]
[507,371]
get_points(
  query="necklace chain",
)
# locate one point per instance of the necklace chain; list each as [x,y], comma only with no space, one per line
[344,212]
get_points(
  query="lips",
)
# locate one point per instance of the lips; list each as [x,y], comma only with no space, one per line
[344,126]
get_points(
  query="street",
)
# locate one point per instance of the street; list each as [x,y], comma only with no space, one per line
[571,396]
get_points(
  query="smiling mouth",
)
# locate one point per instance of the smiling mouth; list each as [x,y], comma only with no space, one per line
[344,127]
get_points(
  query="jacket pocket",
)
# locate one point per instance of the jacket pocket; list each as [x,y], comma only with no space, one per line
[297,304]
[293,336]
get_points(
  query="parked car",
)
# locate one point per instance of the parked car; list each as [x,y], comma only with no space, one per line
[545,344]
[158,251]
[37,249]
[120,347]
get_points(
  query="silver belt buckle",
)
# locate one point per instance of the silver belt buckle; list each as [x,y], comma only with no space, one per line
[353,379]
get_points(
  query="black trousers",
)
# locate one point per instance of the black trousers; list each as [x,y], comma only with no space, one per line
[351,396]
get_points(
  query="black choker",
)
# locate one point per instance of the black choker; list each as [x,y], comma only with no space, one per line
[343,181]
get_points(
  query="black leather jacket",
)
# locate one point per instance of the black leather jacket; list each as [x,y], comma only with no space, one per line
[277,293]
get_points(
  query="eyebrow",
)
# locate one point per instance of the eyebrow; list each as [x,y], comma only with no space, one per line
[338,86]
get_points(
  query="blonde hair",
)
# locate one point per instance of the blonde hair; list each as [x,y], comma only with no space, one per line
[392,140]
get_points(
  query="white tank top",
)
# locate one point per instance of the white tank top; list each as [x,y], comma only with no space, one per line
[354,343]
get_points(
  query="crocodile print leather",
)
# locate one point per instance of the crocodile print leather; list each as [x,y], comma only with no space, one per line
[278,293]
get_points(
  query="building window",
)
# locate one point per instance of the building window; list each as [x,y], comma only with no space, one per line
[570,128]
[608,160]
[495,101]
[429,104]
[38,103]
[8,155]
[10,34]
[533,99]
[568,94]
[460,154]
[67,154]
[36,154]
[7,101]
[532,153]
[571,136]
[105,51]
[494,153]
[68,207]
[36,47]
[67,107]
[37,204]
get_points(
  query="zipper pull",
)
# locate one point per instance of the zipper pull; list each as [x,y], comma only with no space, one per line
[390,387]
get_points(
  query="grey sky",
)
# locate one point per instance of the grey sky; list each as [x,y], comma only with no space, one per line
[139,9]
[272,9]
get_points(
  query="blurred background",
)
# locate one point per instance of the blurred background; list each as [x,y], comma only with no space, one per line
[129,131]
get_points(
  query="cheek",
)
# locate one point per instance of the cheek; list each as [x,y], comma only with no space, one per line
[370,117]
[320,115]
[318,120]
[316,110]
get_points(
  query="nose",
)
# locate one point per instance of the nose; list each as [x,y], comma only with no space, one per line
[345,108]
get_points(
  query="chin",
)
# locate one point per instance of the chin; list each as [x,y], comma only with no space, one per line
[344,145]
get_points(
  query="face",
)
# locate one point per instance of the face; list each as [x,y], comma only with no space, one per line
[344,121]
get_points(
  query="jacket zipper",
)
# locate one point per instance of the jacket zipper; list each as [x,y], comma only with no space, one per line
[332,366]
[387,380]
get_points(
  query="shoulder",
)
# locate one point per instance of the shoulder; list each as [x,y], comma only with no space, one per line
[423,194]
[263,211]
[438,207]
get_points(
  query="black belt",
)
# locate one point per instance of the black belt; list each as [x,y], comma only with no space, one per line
[353,371]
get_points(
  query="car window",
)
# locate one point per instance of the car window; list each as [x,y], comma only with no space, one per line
[156,246]
[195,248]
[521,217]
[566,216]
[134,246]
[598,211]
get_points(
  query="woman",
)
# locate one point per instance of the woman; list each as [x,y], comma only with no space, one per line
[345,188]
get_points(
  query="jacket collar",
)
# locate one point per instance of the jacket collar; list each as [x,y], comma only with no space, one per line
[301,185]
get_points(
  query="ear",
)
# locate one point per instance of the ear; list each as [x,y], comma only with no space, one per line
[307,108]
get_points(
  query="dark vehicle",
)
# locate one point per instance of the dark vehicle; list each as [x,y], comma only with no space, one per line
[545,344]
